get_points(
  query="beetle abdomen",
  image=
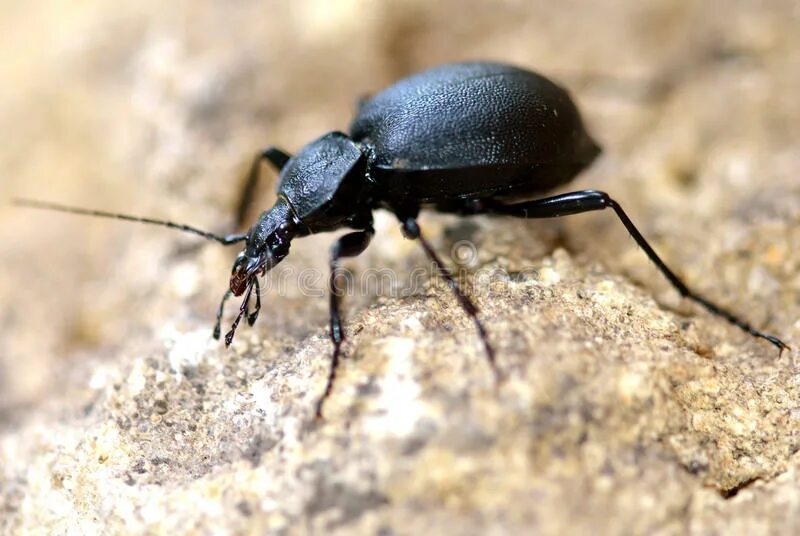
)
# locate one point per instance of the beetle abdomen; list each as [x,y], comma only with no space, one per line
[471,115]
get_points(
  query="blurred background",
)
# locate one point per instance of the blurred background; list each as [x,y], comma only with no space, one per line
[627,407]
[156,109]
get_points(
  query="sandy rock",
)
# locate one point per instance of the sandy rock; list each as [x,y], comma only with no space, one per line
[624,410]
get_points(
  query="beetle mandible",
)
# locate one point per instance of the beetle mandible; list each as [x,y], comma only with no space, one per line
[465,138]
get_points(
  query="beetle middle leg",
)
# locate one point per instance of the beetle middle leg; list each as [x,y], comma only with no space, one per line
[411,230]
[277,158]
[350,245]
[589,200]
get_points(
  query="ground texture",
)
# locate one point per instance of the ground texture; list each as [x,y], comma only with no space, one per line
[625,410]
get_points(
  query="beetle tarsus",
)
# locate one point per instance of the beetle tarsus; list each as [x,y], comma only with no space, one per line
[738,322]
[331,379]
[777,342]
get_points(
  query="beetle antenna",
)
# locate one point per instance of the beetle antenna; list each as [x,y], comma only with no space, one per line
[45,205]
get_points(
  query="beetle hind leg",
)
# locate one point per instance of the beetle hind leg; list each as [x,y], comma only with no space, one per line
[589,200]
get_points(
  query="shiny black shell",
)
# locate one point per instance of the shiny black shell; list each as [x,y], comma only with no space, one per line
[472,130]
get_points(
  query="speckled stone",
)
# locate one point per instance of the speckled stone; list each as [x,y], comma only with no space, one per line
[623,409]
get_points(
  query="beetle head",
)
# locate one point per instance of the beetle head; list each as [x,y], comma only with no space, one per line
[267,244]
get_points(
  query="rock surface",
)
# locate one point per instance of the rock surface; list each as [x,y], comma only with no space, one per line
[624,409]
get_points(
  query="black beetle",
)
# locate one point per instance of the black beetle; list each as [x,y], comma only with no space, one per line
[465,138]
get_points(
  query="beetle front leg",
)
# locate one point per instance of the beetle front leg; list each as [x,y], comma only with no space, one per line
[412,231]
[350,245]
[589,200]
[242,311]
[220,312]
[277,158]
[252,317]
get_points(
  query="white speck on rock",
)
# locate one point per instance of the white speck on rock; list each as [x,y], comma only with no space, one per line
[99,379]
[398,405]
[549,276]
[187,349]
[412,323]
[262,397]
[136,379]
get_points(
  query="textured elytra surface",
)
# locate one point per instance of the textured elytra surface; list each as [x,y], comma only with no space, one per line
[625,410]
[471,115]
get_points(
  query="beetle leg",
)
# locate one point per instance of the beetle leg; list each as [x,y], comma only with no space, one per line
[277,158]
[242,311]
[251,318]
[589,200]
[350,245]
[412,231]
[218,323]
